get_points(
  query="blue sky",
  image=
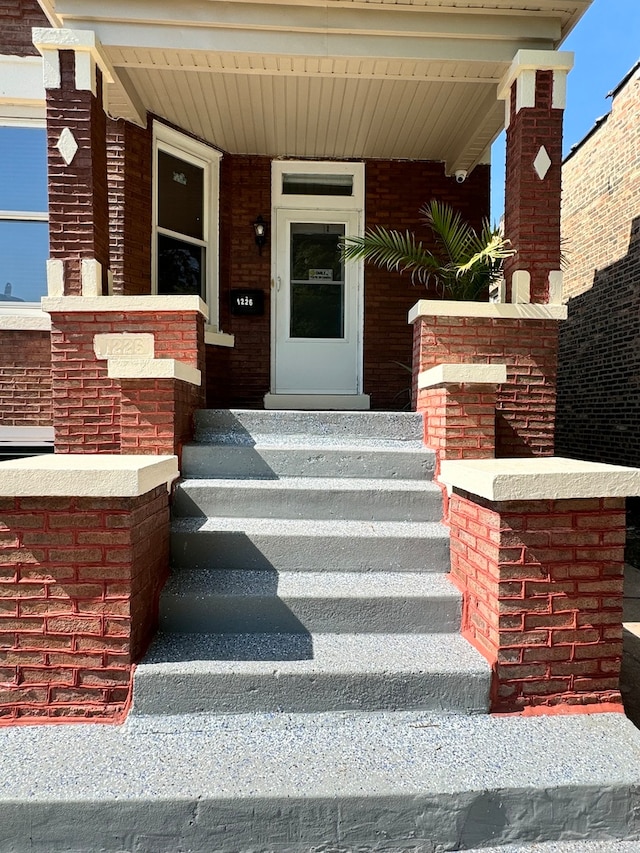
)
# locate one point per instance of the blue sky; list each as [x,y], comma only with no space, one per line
[606,43]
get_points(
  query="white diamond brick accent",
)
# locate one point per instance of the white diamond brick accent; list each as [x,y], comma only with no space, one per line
[67,145]
[542,163]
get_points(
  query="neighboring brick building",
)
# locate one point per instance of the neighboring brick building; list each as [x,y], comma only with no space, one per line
[599,360]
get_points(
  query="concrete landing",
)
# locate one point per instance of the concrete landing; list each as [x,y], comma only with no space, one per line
[336,783]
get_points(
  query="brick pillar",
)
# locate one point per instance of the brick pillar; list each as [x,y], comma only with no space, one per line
[77,161]
[541,573]
[80,580]
[534,91]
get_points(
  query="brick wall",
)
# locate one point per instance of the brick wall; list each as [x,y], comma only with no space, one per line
[542,584]
[129,165]
[78,200]
[525,405]
[395,191]
[598,400]
[88,405]
[80,580]
[25,378]
[532,211]
[16,19]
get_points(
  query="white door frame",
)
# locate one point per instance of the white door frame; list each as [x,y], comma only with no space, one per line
[353,204]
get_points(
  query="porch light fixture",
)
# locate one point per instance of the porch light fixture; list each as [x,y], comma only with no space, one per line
[260,228]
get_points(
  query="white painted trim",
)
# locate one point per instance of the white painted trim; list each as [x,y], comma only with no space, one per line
[556,283]
[212,337]
[280,200]
[463,374]
[208,159]
[526,89]
[18,115]
[24,320]
[21,81]
[24,216]
[86,475]
[55,277]
[317,402]
[85,73]
[541,478]
[559,97]
[153,368]
[534,60]
[51,68]
[123,304]
[91,276]
[521,287]
[497,310]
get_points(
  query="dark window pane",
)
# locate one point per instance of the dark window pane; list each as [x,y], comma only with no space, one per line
[180,267]
[180,196]
[24,249]
[23,168]
[294,184]
[315,252]
[316,310]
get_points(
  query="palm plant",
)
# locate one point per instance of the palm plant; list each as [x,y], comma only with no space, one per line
[463,265]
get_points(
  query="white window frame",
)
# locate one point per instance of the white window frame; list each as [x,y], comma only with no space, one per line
[9,120]
[190,150]
[280,168]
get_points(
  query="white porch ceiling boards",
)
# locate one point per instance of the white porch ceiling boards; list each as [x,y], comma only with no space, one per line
[324,78]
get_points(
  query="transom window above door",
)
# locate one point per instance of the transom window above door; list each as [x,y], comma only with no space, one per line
[186,188]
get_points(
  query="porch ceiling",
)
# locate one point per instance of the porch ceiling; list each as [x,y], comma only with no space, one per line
[415,79]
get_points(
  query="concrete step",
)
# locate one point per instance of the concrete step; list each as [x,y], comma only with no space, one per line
[219,601]
[310,497]
[303,545]
[232,673]
[273,456]
[339,783]
[403,426]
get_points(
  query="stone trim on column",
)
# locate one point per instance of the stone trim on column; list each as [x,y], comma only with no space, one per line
[534,92]
[537,549]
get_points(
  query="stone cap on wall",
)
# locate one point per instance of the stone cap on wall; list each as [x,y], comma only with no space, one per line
[462,374]
[491,310]
[86,475]
[126,304]
[539,478]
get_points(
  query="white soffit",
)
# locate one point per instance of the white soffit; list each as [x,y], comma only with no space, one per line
[415,79]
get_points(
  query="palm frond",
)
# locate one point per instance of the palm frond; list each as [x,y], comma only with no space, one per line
[451,232]
[397,251]
[489,256]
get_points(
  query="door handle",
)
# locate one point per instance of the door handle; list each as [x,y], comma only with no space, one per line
[279,283]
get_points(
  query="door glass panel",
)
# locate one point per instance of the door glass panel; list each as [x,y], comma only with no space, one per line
[181,267]
[317,281]
[180,196]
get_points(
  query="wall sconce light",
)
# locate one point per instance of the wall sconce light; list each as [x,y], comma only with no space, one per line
[260,228]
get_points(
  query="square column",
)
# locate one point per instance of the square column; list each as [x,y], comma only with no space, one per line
[534,91]
[537,549]
[74,73]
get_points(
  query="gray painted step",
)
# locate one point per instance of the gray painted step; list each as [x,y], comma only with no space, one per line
[310,497]
[279,783]
[303,545]
[195,673]
[393,425]
[204,601]
[270,457]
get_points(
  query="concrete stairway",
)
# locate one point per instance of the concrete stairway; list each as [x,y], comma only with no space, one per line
[309,692]
[309,574]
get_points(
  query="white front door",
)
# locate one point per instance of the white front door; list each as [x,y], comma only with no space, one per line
[318,315]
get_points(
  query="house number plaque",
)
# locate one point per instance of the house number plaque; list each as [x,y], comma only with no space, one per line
[247,302]
[124,346]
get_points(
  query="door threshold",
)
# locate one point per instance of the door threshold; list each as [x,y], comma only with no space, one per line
[322,402]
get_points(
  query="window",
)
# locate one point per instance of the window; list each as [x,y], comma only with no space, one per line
[317,184]
[185,234]
[24,226]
